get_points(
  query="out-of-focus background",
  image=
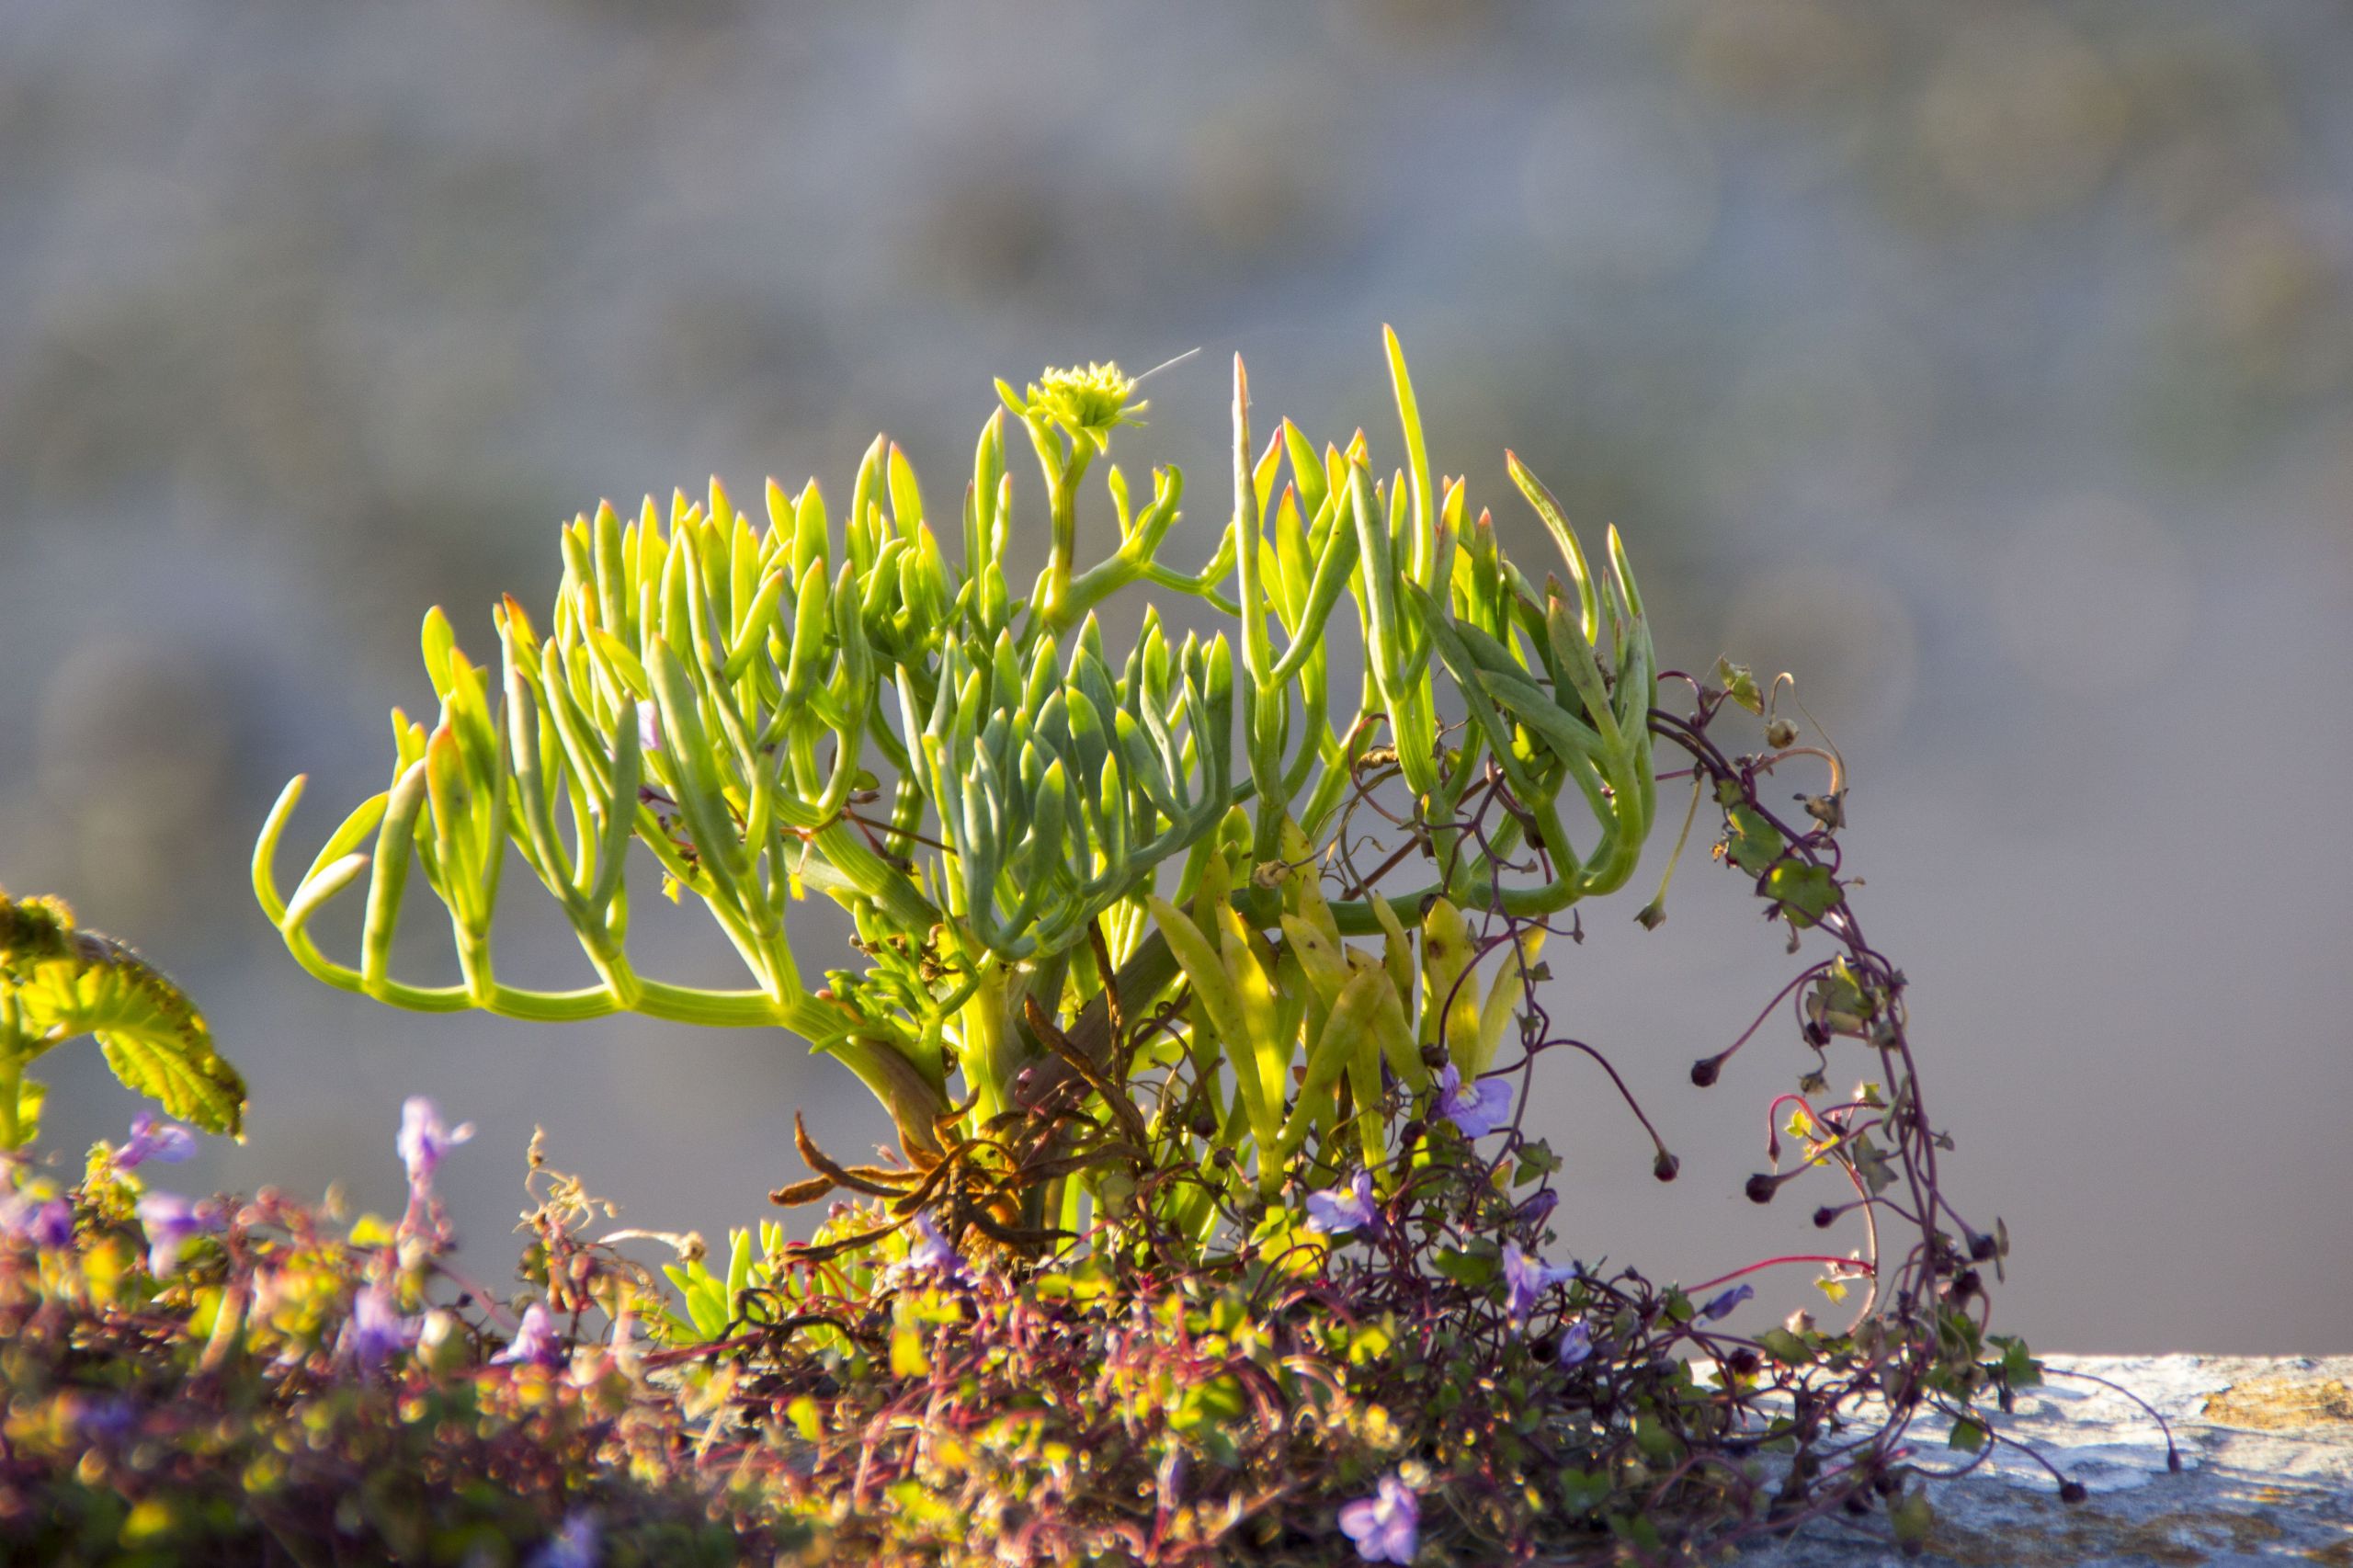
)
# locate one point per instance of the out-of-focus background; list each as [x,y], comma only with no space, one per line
[1987,365]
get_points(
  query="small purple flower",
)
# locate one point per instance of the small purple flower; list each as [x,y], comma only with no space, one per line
[378,1328]
[1386,1526]
[1537,1210]
[48,1224]
[1720,1307]
[1346,1209]
[424,1140]
[110,1419]
[649,727]
[52,1225]
[1525,1279]
[154,1140]
[1577,1345]
[171,1222]
[933,1250]
[1477,1109]
[574,1545]
[535,1342]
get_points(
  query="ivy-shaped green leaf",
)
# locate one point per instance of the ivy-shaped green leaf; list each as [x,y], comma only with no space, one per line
[1473,1267]
[1912,1520]
[1740,685]
[1805,893]
[1751,842]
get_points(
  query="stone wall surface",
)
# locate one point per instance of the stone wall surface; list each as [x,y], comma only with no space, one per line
[2267,1473]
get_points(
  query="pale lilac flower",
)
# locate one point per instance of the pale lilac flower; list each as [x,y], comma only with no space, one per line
[934,1251]
[574,1545]
[649,727]
[48,1224]
[1526,1278]
[424,1140]
[1346,1209]
[1720,1307]
[1537,1210]
[379,1328]
[1576,1344]
[154,1140]
[52,1225]
[171,1222]
[1479,1108]
[1386,1526]
[535,1342]
[110,1419]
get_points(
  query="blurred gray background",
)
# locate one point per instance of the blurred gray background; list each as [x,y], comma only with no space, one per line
[1987,365]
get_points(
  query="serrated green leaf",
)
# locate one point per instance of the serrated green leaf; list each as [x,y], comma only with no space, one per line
[152,1034]
[30,1092]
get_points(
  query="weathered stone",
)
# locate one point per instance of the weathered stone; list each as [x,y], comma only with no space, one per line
[2266,1477]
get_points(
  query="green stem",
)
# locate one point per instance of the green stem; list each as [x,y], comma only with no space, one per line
[984,1050]
[13,1054]
[1063,548]
[914,1102]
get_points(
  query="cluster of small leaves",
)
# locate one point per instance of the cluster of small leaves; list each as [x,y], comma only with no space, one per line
[232,1410]
[979,778]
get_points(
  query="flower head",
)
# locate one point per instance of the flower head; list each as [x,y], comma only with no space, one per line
[1537,1209]
[172,1221]
[1478,1109]
[535,1342]
[378,1326]
[154,1140]
[48,1224]
[1089,404]
[573,1546]
[1386,1526]
[1576,1344]
[424,1140]
[934,1251]
[1346,1209]
[1720,1307]
[52,1225]
[108,1419]
[1526,1278]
